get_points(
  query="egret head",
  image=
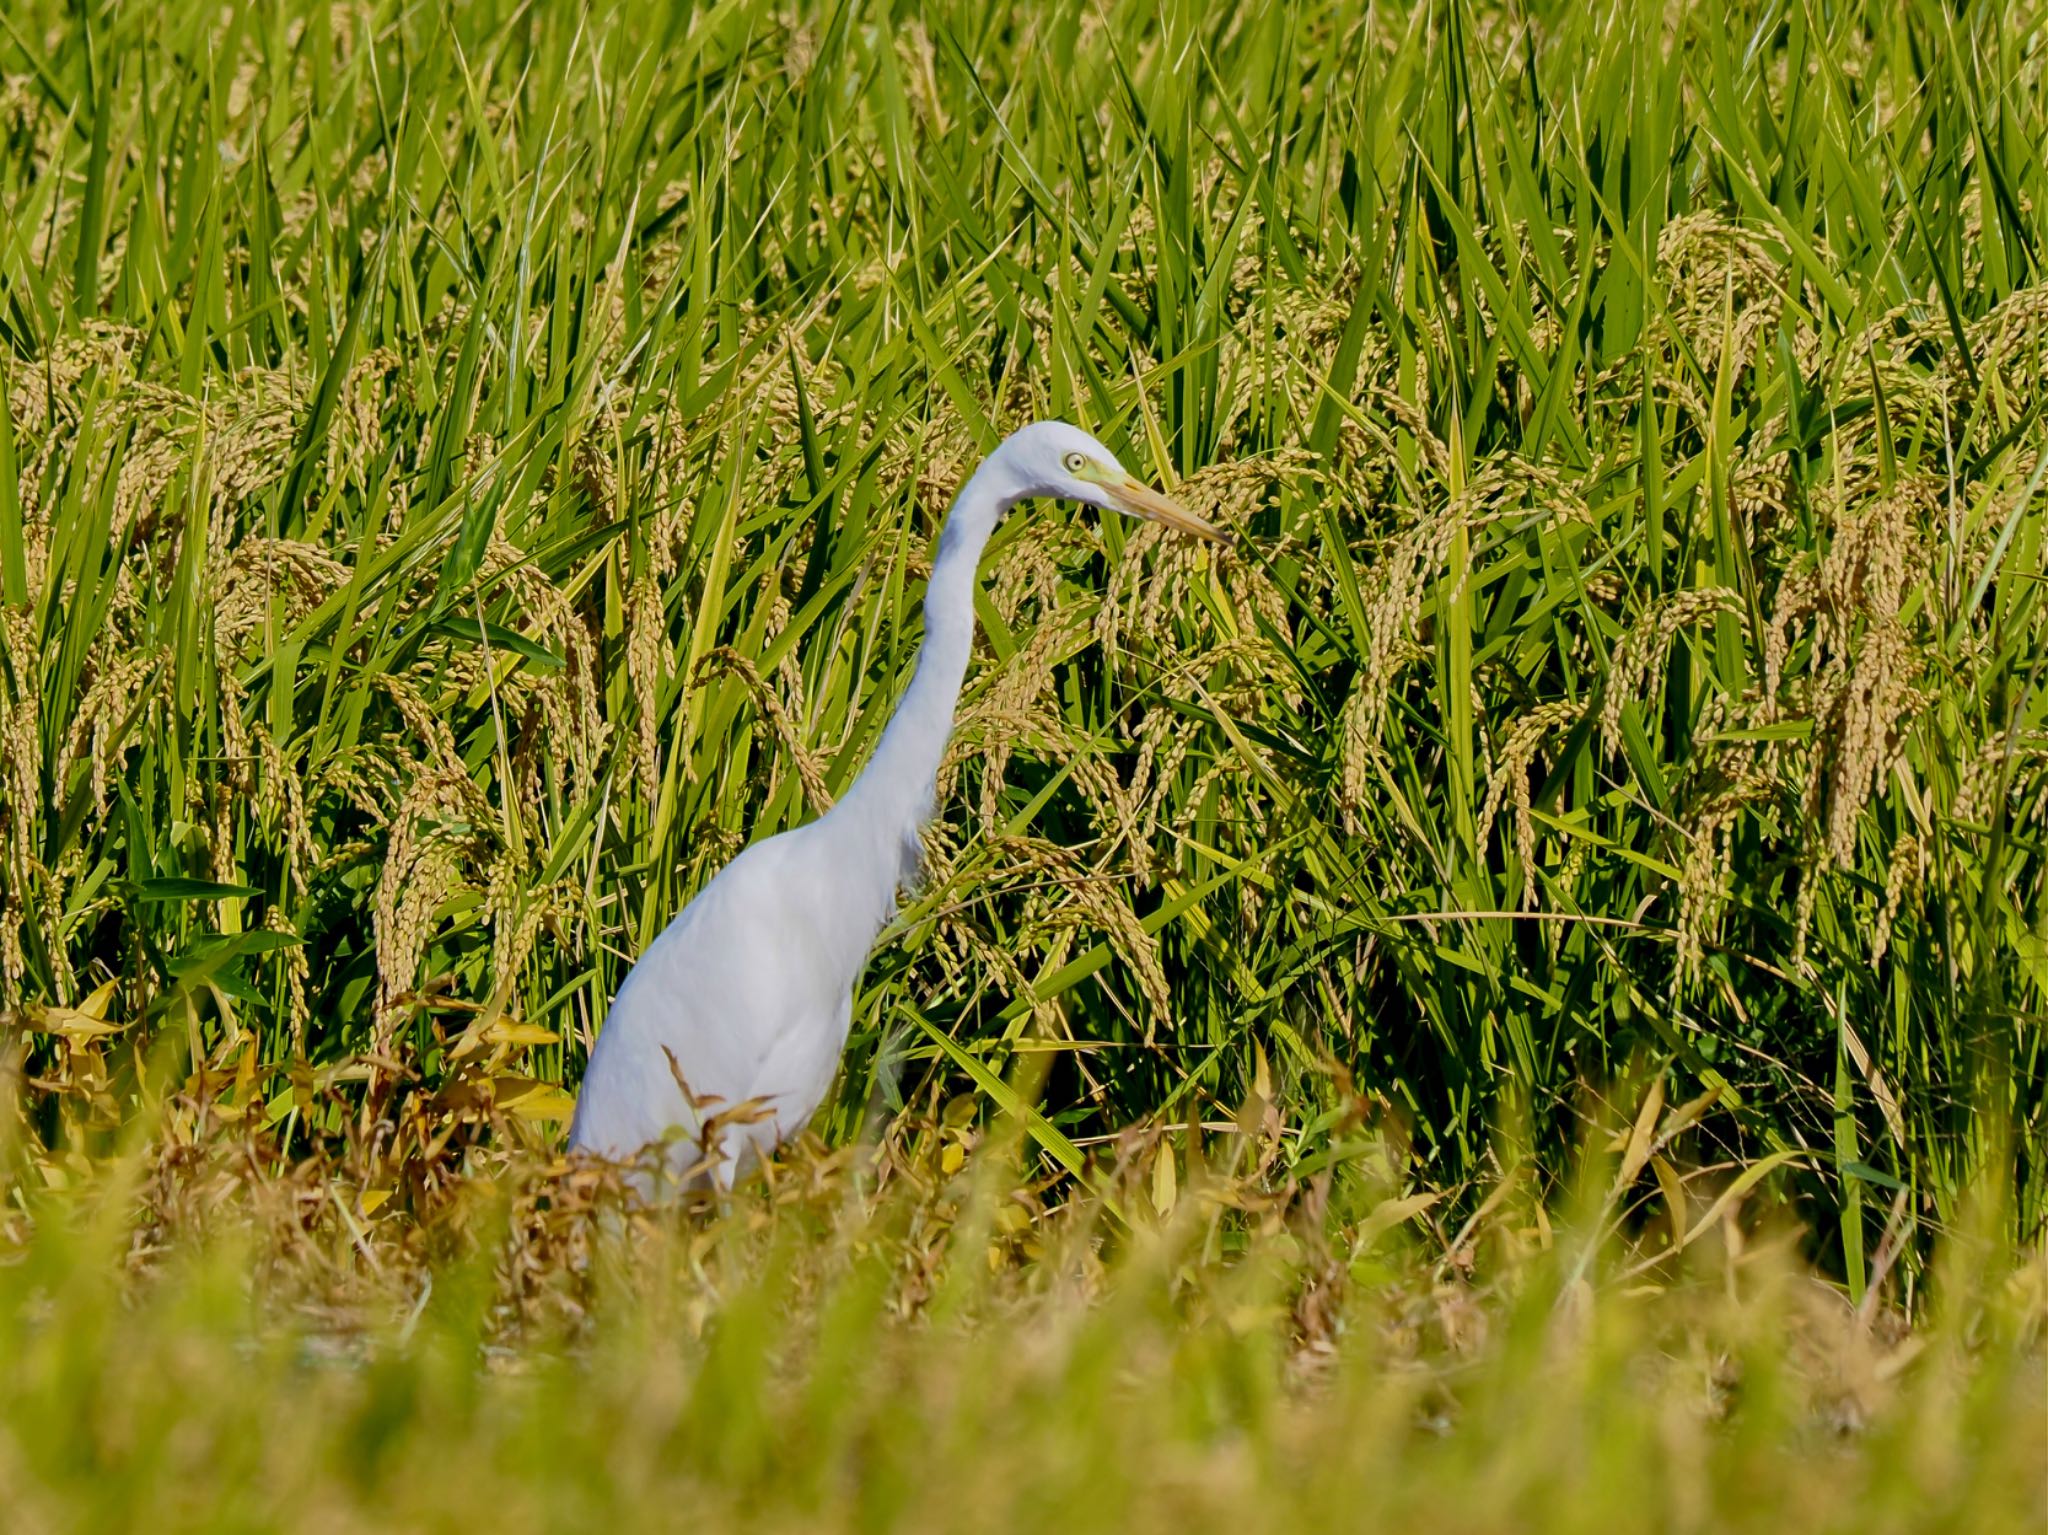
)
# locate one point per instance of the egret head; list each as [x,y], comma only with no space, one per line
[1051,458]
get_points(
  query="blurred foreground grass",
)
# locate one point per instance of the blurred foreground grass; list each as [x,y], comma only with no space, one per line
[197,1344]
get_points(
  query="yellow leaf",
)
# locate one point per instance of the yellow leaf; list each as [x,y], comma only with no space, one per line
[521,1034]
[1262,1075]
[550,1104]
[1750,1177]
[86,1021]
[1389,1213]
[1638,1152]
[952,1158]
[1683,1116]
[373,1199]
[530,1099]
[1674,1197]
[75,1025]
[1165,1182]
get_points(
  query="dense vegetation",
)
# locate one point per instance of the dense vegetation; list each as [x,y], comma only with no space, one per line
[1510,1001]
[465,471]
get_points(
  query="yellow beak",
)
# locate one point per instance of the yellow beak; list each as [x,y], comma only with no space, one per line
[1141,500]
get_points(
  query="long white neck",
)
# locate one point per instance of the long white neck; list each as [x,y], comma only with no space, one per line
[893,796]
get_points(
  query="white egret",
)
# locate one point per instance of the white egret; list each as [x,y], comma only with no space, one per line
[730,1027]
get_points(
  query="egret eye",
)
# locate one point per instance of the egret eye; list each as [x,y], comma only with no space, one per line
[1076,462]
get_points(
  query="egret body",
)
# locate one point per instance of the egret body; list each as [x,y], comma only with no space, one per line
[733,1021]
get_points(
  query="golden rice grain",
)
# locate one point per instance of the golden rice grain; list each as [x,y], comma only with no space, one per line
[810,772]
[1635,669]
[1511,778]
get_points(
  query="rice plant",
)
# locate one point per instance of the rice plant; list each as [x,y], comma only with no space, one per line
[467,471]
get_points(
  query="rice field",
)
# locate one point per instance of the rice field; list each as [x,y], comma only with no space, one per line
[1511,998]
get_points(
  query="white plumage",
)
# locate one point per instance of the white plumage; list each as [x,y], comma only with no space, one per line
[746,996]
